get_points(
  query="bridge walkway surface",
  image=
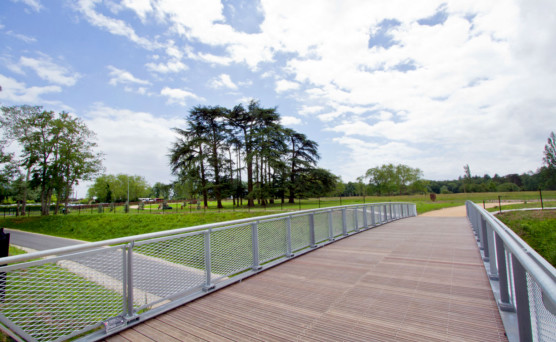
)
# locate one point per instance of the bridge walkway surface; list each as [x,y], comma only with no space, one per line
[416,279]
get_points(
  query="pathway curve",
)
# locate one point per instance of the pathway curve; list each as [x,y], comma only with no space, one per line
[457,211]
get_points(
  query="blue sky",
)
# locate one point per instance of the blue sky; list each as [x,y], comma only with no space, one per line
[434,85]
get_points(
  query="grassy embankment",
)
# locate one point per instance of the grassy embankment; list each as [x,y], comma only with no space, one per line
[101,226]
[537,228]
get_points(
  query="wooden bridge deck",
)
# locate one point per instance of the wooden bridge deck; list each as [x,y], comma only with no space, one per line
[417,279]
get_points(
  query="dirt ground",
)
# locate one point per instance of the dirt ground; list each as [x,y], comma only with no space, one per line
[455,211]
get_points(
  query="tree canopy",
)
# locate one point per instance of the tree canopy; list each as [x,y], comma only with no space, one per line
[57,151]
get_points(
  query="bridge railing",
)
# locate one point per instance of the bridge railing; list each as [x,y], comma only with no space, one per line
[523,281]
[89,291]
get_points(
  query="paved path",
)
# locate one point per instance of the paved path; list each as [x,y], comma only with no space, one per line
[38,242]
[416,279]
[457,211]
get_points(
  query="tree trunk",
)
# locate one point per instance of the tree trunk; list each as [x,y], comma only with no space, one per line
[25,189]
[249,162]
[203,180]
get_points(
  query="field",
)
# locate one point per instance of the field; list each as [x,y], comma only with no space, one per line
[537,228]
[89,225]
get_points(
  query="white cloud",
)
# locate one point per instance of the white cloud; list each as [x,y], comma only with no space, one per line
[222,81]
[34,4]
[114,26]
[141,7]
[307,110]
[49,71]
[133,142]
[21,37]
[178,96]
[120,76]
[285,85]
[290,120]
[172,66]
[17,92]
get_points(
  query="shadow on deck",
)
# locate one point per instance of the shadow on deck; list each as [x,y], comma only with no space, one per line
[417,279]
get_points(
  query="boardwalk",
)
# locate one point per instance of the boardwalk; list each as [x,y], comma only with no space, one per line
[417,279]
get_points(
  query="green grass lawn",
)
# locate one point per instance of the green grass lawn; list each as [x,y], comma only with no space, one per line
[537,228]
[89,225]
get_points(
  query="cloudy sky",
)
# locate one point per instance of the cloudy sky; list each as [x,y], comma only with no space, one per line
[431,84]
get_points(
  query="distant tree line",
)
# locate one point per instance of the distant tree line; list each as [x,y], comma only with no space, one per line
[56,152]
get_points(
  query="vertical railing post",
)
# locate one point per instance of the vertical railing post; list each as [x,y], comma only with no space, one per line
[356,220]
[492,252]
[505,304]
[344,222]
[479,231]
[289,252]
[365,223]
[129,279]
[330,226]
[255,243]
[372,215]
[125,269]
[312,230]
[385,214]
[522,301]
[208,262]
[484,238]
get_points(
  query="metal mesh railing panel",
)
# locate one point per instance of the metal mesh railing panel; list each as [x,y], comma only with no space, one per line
[321,226]
[350,220]
[180,262]
[272,239]
[54,300]
[231,250]
[360,218]
[300,234]
[370,213]
[337,223]
[543,323]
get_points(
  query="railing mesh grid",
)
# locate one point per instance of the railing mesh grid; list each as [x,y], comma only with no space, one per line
[55,299]
[272,239]
[300,232]
[180,262]
[321,226]
[225,260]
[543,323]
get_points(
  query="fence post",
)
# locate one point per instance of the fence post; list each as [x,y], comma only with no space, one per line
[522,301]
[505,304]
[484,244]
[255,241]
[129,279]
[372,215]
[492,252]
[356,220]
[208,263]
[365,225]
[385,214]
[312,230]
[344,222]
[289,252]
[330,226]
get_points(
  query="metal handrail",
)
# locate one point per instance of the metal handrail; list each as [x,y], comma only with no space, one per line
[127,239]
[515,274]
[135,278]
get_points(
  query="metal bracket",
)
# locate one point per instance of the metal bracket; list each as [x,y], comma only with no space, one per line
[208,288]
[114,324]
